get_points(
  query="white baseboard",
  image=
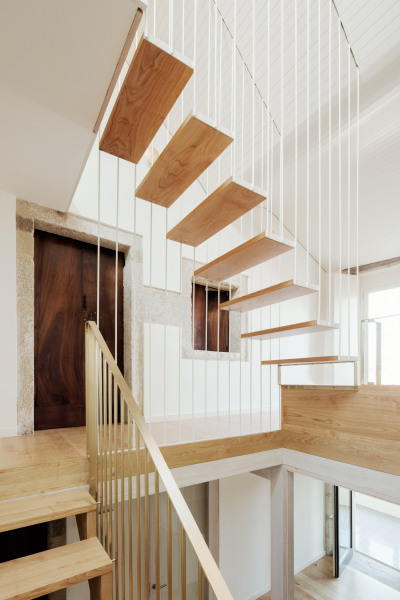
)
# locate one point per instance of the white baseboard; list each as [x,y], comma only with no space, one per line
[9,432]
[308,563]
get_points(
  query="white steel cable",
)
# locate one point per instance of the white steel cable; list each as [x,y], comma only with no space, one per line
[253,130]
[194,56]
[209,60]
[216,60]
[357,199]
[183,27]
[171,24]
[282,134]
[319,164]
[308,148]
[116,270]
[330,167]
[243,120]
[220,75]
[348,196]
[98,241]
[340,177]
[150,307]
[234,81]
[296,134]
[269,189]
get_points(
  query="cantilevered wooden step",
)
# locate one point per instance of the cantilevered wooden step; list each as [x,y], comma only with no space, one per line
[253,252]
[290,330]
[56,569]
[151,87]
[267,296]
[187,155]
[45,507]
[312,360]
[226,204]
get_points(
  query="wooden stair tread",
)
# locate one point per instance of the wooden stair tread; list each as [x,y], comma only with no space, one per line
[52,570]
[45,507]
[253,252]
[311,360]
[187,155]
[154,81]
[267,296]
[230,201]
[290,330]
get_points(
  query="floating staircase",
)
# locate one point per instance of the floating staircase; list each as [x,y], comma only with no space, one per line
[187,155]
[290,330]
[45,572]
[154,81]
[230,201]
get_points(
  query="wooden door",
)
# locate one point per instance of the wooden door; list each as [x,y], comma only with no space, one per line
[66,297]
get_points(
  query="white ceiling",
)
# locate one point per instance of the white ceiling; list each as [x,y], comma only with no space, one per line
[56,63]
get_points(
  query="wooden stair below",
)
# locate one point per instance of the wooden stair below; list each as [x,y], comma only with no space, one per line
[267,296]
[56,569]
[312,360]
[187,155]
[253,252]
[45,507]
[228,202]
[151,87]
[290,330]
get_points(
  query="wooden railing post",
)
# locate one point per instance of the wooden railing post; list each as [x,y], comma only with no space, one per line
[91,407]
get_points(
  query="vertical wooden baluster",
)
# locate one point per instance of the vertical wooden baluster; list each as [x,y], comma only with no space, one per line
[105,458]
[101,470]
[157,530]
[122,498]
[117,394]
[183,564]
[200,583]
[130,541]
[91,353]
[169,549]
[138,532]
[146,523]
[110,503]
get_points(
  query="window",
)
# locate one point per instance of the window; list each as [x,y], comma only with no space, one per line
[381,332]
[210,323]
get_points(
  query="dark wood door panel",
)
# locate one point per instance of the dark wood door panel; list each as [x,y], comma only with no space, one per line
[65,297]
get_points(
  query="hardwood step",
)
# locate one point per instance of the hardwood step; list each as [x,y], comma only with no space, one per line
[187,155]
[45,507]
[253,252]
[56,569]
[267,296]
[312,360]
[152,85]
[290,330]
[228,202]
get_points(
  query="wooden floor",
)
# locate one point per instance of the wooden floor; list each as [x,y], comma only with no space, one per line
[316,583]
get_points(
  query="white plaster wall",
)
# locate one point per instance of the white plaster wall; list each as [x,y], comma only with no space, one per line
[8,317]
[308,521]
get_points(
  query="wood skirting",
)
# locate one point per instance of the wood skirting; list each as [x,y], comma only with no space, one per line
[357,426]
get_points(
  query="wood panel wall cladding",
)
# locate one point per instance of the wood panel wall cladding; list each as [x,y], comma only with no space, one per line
[358,426]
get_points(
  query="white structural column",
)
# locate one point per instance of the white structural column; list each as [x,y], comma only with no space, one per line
[282,554]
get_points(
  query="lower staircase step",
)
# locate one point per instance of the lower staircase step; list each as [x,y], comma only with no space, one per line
[312,360]
[230,201]
[259,249]
[45,507]
[56,569]
[190,151]
[290,330]
[267,296]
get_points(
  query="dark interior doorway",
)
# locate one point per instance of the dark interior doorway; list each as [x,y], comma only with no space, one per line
[66,297]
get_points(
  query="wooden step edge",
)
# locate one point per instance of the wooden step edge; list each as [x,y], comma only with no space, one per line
[254,251]
[52,570]
[310,288]
[292,329]
[43,508]
[311,360]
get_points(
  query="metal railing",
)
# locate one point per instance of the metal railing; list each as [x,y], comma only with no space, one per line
[128,476]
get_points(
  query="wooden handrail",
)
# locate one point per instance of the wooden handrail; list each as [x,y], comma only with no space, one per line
[204,556]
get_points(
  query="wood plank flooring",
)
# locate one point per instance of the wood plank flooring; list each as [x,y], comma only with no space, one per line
[317,583]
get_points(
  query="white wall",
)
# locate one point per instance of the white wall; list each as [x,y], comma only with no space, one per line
[245,531]
[8,317]
[308,521]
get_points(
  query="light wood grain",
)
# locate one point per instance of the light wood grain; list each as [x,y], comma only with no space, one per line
[151,87]
[289,330]
[359,427]
[227,203]
[316,582]
[286,290]
[43,508]
[253,252]
[52,570]
[190,151]
[312,360]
